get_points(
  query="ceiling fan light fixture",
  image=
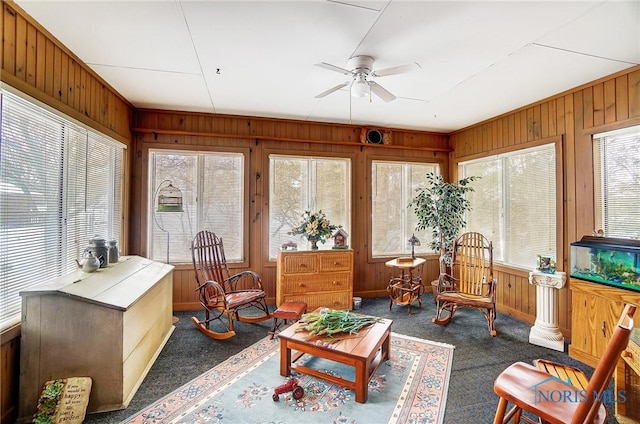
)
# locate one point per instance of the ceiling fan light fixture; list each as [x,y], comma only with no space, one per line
[360,87]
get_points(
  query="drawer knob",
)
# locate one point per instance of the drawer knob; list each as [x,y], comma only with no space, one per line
[300,284]
[335,283]
[336,263]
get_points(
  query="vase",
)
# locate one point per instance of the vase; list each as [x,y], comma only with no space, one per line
[314,244]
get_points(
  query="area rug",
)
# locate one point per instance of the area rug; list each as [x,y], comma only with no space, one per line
[411,387]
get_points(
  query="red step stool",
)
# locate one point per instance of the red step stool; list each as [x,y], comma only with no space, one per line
[287,311]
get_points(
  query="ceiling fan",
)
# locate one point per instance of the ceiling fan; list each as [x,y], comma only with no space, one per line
[361,73]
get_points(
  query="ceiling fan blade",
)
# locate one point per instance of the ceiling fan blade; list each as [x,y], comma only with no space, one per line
[331,90]
[333,68]
[381,92]
[403,69]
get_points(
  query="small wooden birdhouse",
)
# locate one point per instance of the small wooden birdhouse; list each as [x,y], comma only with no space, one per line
[340,239]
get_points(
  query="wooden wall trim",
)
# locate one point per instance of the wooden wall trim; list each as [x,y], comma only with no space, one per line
[32,91]
[284,139]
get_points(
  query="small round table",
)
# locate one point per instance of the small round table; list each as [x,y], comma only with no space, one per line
[407,288]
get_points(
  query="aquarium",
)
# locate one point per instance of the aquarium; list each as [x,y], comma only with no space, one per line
[604,260]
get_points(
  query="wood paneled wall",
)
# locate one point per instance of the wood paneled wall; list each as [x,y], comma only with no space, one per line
[573,117]
[35,63]
[262,137]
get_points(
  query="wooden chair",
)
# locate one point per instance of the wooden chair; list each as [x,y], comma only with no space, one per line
[537,392]
[221,294]
[471,283]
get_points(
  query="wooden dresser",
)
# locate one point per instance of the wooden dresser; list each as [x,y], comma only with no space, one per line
[109,325]
[595,310]
[316,277]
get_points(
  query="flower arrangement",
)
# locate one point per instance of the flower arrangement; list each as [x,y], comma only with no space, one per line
[314,227]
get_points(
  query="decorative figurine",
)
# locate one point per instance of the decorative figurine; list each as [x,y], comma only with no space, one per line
[289,386]
[340,239]
[290,245]
[546,264]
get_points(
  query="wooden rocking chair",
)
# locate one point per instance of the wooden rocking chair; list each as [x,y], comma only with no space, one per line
[473,284]
[222,295]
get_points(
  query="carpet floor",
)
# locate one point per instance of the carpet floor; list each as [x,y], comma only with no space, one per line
[477,360]
[411,386]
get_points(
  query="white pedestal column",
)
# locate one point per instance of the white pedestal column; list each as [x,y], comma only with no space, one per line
[545,332]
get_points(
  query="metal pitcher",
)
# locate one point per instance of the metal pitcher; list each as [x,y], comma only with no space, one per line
[98,246]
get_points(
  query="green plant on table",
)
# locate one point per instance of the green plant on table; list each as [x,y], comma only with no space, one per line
[331,323]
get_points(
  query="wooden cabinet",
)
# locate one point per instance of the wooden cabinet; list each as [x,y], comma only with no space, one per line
[109,325]
[595,310]
[316,277]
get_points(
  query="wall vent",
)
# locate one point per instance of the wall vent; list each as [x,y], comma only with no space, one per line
[375,136]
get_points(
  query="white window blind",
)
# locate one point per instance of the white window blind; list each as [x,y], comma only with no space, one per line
[514,203]
[393,188]
[60,185]
[213,198]
[617,182]
[487,202]
[297,184]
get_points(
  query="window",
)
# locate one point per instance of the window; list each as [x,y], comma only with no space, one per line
[212,185]
[60,185]
[393,187]
[514,203]
[297,184]
[617,182]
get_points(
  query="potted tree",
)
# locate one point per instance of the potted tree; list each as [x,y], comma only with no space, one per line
[441,206]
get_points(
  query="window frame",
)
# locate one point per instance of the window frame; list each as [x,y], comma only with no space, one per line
[440,164]
[149,148]
[268,152]
[599,204]
[558,144]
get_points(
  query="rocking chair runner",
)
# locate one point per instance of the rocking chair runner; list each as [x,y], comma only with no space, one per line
[222,295]
[471,283]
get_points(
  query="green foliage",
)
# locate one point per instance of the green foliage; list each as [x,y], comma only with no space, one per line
[48,402]
[330,323]
[441,206]
[314,226]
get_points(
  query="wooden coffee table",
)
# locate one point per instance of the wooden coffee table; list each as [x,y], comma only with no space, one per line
[364,351]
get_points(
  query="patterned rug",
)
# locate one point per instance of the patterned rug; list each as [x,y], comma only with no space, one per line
[411,387]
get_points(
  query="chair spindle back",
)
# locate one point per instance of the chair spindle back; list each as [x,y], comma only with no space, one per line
[473,262]
[209,261]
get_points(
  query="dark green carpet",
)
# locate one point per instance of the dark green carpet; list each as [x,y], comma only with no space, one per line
[477,360]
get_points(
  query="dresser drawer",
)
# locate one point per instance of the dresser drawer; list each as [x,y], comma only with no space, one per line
[319,283]
[300,264]
[339,261]
[338,300]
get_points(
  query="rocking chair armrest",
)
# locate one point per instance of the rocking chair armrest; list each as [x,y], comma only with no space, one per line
[256,282]
[491,290]
[446,282]
[215,284]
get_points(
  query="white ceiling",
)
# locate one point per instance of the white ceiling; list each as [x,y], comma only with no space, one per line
[478,59]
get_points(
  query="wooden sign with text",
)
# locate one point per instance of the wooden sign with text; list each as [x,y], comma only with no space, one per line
[64,400]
